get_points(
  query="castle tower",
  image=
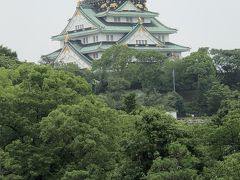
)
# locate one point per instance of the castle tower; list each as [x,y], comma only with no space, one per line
[99,24]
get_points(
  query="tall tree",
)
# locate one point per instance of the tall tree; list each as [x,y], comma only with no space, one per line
[228,66]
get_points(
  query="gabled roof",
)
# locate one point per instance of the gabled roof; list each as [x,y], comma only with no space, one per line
[158,24]
[52,56]
[75,47]
[154,27]
[90,18]
[140,28]
[127,6]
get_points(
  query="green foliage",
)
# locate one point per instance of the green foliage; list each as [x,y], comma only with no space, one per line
[83,137]
[115,59]
[195,72]
[179,165]
[216,95]
[4,51]
[154,133]
[227,169]
[52,127]
[8,59]
[228,66]
[130,103]
[226,138]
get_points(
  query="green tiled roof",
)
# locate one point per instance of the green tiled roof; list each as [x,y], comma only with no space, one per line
[146,14]
[52,56]
[154,27]
[157,26]
[83,50]
[95,48]
[169,47]
[91,15]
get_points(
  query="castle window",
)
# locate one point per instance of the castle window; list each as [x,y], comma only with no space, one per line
[78,27]
[117,19]
[109,37]
[163,38]
[95,55]
[129,19]
[95,38]
[141,42]
[85,40]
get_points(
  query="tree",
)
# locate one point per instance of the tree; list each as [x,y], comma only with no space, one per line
[228,66]
[114,60]
[83,138]
[30,93]
[216,95]
[178,166]
[130,103]
[195,75]
[4,51]
[226,139]
[111,66]
[227,105]
[195,72]
[155,131]
[229,168]
[151,70]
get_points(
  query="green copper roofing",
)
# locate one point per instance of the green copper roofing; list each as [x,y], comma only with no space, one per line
[91,15]
[169,47]
[145,14]
[52,56]
[96,48]
[91,48]
[154,27]
[120,8]
[83,50]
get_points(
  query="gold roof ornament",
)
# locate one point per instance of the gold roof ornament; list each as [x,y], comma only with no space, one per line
[78,3]
[140,20]
[66,37]
[114,5]
[66,50]
[78,13]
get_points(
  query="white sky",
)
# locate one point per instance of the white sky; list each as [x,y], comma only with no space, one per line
[27,25]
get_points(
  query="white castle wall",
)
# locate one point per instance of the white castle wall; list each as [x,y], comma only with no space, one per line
[101,37]
[124,19]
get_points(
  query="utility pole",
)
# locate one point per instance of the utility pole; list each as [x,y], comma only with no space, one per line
[174,80]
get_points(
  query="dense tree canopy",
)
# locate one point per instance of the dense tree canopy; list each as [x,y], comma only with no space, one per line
[228,66]
[115,125]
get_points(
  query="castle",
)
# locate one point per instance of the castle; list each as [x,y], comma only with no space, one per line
[99,24]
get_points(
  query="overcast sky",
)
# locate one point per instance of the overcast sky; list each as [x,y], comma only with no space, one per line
[27,25]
